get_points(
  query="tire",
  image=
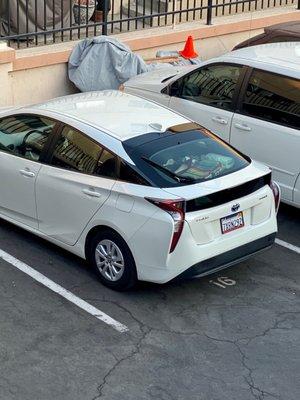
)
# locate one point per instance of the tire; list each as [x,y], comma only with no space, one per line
[116,270]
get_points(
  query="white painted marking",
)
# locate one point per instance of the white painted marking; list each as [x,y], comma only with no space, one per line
[287,245]
[63,292]
[223,281]
[217,284]
[227,281]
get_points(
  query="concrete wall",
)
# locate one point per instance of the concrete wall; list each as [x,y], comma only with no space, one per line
[38,74]
[35,85]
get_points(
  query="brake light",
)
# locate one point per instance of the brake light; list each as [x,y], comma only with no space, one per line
[276,193]
[175,208]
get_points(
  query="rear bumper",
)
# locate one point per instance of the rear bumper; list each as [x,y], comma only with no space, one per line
[229,258]
[155,264]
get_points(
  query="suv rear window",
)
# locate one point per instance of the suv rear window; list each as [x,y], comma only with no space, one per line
[175,159]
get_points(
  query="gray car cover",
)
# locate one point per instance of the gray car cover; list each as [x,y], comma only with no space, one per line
[104,63]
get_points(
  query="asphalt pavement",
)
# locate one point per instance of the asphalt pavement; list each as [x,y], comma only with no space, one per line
[230,336]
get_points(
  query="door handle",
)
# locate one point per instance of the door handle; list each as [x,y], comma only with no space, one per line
[243,127]
[220,120]
[27,173]
[91,193]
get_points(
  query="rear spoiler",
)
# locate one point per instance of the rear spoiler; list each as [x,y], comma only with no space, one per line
[226,195]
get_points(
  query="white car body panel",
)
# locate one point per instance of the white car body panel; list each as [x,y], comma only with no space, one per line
[72,194]
[214,119]
[63,206]
[17,197]
[283,156]
[278,58]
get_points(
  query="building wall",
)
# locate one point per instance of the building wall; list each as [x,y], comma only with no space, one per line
[35,85]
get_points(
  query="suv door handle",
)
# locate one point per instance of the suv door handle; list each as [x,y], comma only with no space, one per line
[220,120]
[243,127]
[27,173]
[91,193]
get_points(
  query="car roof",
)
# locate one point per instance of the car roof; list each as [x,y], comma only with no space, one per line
[281,57]
[119,114]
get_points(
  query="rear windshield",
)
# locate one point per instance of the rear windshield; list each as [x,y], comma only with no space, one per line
[175,159]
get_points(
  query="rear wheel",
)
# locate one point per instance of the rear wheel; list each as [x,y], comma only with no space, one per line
[112,260]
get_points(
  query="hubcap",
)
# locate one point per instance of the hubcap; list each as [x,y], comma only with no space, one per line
[109,260]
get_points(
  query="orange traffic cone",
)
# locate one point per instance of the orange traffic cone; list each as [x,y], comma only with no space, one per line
[189,51]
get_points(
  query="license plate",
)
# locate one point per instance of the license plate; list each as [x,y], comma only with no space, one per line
[232,222]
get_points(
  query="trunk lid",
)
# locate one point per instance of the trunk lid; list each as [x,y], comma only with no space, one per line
[238,201]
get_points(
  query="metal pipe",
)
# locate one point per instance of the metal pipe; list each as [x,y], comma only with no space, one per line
[105,14]
[209,12]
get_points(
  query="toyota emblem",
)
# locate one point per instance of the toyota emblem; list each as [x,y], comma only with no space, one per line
[235,207]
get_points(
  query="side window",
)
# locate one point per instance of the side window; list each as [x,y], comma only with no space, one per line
[75,151]
[212,85]
[273,98]
[25,135]
[128,174]
[107,165]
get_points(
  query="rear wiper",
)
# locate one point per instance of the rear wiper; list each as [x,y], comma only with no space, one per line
[166,171]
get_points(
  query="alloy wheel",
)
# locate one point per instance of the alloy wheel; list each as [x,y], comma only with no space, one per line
[109,260]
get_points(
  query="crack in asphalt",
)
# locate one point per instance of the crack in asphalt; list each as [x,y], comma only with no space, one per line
[134,352]
[256,392]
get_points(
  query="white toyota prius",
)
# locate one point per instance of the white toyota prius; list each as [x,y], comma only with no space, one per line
[139,191]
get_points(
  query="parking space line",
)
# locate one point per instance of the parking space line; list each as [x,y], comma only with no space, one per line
[288,245]
[63,292]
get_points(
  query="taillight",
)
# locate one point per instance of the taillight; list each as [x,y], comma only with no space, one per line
[276,193]
[176,208]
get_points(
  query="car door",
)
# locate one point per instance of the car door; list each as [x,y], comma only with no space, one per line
[266,125]
[73,185]
[23,140]
[207,96]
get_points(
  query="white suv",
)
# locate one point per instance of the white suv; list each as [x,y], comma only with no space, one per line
[136,189]
[249,97]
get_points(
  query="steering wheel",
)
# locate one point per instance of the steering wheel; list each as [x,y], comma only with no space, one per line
[23,145]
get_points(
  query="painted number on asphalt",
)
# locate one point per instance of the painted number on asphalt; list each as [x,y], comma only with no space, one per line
[223,282]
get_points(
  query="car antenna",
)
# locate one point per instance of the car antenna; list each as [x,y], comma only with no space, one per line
[157,127]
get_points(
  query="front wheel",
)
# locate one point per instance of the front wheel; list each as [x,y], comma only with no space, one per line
[112,260]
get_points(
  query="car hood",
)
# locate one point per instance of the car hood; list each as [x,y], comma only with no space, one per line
[251,172]
[158,78]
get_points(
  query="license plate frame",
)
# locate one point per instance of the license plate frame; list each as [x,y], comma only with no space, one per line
[229,219]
